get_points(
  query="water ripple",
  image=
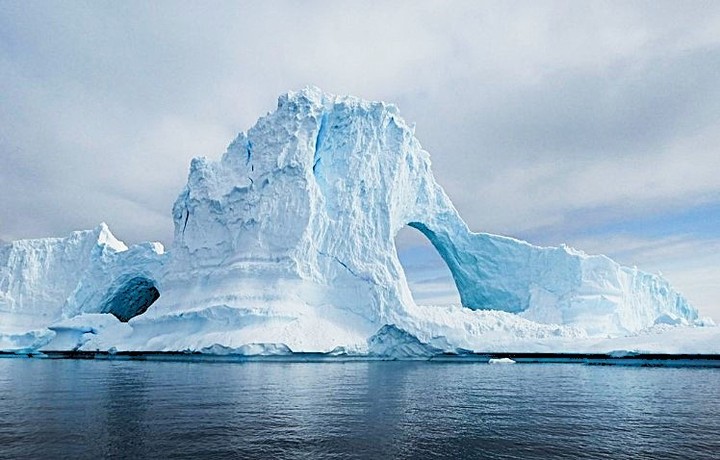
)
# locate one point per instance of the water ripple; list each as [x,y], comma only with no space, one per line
[123,409]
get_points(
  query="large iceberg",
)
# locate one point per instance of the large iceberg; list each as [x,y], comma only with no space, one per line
[287,244]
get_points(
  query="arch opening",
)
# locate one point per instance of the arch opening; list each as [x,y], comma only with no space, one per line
[428,275]
[132,298]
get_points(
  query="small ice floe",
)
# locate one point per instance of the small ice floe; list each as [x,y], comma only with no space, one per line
[501,361]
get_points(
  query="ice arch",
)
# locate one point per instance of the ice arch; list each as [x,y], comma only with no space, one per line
[443,244]
[425,271]
[131,298]
[494,272]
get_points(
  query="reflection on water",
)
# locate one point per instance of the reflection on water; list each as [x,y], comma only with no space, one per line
[127,409]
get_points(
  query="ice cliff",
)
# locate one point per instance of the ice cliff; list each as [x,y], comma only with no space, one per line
[46,280]
[288,242]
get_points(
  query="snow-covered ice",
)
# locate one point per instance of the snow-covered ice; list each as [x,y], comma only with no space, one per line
[287,244]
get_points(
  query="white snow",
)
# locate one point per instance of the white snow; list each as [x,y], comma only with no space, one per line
[287,244]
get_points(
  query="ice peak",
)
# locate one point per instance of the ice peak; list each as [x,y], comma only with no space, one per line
[107,239]
[312,99]
[309,94]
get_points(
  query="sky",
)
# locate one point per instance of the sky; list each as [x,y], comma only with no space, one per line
[595,124]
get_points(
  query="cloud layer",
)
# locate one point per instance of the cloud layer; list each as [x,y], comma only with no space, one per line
[591,124]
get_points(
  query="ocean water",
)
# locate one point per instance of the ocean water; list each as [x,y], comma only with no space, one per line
[140,409]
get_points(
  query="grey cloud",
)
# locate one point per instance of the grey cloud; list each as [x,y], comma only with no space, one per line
[542,118]
[633,116]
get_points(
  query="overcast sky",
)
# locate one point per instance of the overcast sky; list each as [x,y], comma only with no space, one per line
[595,124]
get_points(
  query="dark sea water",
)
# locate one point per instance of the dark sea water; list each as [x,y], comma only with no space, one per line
[134,409]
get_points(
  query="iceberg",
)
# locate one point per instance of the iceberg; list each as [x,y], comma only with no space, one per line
[286,244]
